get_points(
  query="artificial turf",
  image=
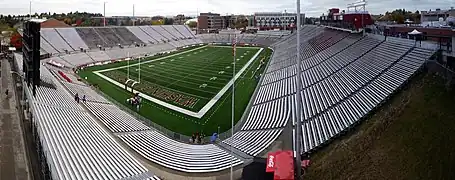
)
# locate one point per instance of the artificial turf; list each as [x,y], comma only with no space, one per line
[185,73]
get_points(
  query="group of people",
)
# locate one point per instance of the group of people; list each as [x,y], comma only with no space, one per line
[77,99]
[135,101]
[196,138]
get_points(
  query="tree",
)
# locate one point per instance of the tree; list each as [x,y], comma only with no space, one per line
[16,40]
[168,21]
[192,24]
[241,22]
[157,22]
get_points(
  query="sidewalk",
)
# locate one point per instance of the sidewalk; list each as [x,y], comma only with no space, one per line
[13,164]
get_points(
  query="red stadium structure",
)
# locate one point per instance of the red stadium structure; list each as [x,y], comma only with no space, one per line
[355,18]
[281,163]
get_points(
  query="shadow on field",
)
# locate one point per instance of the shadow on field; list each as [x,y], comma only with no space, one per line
[410,137]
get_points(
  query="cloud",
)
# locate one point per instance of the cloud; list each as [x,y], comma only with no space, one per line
[191,7]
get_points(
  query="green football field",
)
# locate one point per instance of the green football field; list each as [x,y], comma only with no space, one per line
[187,91]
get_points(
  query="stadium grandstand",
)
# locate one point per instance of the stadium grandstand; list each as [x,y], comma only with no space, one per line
[345,77]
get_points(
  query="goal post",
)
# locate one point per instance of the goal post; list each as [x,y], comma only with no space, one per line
[126,84]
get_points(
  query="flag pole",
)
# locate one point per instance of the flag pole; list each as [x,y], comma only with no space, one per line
[139,79]
[128,67]
[233,100]
[299,99]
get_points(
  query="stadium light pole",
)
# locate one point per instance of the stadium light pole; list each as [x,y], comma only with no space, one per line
[30,10]
[197,21]
[299,99]
[134,20]
[233,100]
[104,14]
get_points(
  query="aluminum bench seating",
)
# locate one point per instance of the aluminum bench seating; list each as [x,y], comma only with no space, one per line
[114,118]
[152,33]
[110,37]
[90,37]
[71,36]
[127,36]
[98,55]
[160,30]
[59,60]
[47,47]
[253,142]
[176,155]
[55,39]
[76,147]
[320,129]
[90,94]
[77,59]
[184,30]
[171,30]
[139,33]
[273,114]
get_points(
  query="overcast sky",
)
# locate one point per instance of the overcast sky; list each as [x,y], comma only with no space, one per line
[191,7]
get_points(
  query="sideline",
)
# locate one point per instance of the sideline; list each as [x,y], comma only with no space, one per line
[204,109]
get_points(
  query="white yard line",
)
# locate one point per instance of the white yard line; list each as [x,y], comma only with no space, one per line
[164,57]
[238,47]
[204,109]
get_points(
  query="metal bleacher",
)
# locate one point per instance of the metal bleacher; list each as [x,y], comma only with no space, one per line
[139,33]
[72,143]
[90,37]
[74,40]
[127,36]
[110,37]
[55,40]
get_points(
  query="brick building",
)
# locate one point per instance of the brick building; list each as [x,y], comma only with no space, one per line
[210,21]
[276,20]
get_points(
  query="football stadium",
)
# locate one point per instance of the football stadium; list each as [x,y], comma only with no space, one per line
[165,102]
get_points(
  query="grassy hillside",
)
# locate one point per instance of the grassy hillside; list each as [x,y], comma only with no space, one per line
[409,138]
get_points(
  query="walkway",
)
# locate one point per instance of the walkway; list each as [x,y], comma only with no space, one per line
[13,164]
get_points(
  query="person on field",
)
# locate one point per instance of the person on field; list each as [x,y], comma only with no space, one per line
[199,139]
[138,102]
[193,138]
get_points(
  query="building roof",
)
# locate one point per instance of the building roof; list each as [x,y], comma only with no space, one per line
[53,23]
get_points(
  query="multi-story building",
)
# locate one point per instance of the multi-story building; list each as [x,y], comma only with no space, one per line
[276,20]
[210,21]
[435,15]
